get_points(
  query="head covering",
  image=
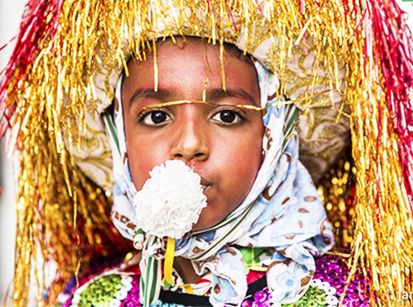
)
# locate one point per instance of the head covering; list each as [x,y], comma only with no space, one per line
[62,76]
[282,211]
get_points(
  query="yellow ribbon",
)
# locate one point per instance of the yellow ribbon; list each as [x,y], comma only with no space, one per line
[187,288]
[169,260]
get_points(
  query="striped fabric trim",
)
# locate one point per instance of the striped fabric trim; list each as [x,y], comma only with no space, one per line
[289,124]
[222,240]
[108,120]
[151,279]
[152,283]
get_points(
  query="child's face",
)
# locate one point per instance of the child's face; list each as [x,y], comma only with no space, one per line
[222,144]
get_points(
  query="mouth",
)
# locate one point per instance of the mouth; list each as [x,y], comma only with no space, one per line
[206,185]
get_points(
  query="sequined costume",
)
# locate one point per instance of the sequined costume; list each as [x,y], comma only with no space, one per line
[120,286]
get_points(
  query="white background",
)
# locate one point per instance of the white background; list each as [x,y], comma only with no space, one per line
[10,12]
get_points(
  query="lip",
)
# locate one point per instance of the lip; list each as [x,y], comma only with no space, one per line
[205,188]
[206,184]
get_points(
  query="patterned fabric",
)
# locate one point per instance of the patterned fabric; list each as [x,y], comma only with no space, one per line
[282,210]
[322,132]
[118,288]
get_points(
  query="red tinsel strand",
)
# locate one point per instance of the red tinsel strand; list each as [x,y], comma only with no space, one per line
[394,47]
[6,44]
[345,8]
[36,25]
[259,8]
[231,16]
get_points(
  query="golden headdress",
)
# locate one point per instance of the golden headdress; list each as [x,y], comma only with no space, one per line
[340,61]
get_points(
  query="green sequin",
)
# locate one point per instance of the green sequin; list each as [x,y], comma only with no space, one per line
[101,292]
[314,297]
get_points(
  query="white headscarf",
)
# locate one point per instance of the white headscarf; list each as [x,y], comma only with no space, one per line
[282,211]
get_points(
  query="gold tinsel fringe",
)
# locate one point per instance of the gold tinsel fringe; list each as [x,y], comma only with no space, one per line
[93,36]
[383,219]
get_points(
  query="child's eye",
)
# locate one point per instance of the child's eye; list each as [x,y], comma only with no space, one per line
[227,117]
[154,118]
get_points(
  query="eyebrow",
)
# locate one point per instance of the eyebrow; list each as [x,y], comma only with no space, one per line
[214,94]
[160,94]
[218,93]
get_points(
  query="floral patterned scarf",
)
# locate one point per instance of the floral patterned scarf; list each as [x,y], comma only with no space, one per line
[282,212]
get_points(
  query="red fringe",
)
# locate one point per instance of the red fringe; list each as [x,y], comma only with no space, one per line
[36,25]
[393,51]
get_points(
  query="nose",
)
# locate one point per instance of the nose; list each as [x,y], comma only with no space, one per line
[190,142]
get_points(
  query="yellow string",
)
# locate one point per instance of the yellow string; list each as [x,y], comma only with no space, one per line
[241,106]
[169,260]
[187,288]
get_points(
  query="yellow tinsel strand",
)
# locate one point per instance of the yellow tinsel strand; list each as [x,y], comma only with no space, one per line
[89,34]
[98,36]
[383,225]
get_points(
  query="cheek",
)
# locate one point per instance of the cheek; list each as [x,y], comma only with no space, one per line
[139,169]
[241,157]
[249,160]
[251,144]
[143,156]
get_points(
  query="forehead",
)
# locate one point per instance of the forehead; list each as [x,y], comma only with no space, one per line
[183,42]
[195,59]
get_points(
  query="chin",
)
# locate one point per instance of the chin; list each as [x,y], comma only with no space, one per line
[205,222]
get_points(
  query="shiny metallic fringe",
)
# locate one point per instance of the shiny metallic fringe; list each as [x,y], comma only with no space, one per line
[62,216]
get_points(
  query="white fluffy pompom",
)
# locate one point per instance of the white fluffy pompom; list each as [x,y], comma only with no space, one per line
[171,201]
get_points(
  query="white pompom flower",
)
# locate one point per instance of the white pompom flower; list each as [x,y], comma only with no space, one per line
[171,201]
